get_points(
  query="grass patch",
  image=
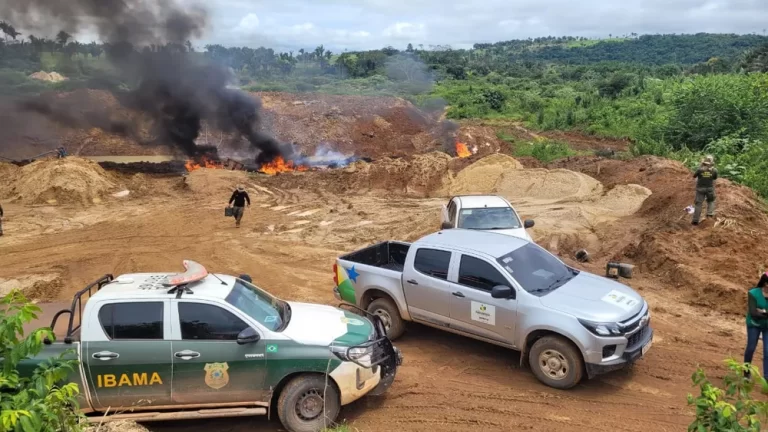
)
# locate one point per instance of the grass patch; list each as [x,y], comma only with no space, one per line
[545,151]
[339,428]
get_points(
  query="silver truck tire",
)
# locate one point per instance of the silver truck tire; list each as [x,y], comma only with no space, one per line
[390,316]
[307,404]
[556,362]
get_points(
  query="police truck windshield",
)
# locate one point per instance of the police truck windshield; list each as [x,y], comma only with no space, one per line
[488,218]
[269,311]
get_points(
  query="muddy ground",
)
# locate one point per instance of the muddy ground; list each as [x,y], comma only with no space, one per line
[694,279]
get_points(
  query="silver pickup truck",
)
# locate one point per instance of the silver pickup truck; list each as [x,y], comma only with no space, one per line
[503,290]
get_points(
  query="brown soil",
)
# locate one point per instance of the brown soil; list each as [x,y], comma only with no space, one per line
[694,278]
[61,181]
[366,126]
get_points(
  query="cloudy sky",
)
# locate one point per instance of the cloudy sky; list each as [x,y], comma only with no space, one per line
[361,24]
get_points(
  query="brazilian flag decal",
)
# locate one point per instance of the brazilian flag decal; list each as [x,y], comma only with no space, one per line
[346,289]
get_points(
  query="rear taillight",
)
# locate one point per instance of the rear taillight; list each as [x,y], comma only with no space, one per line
[336,274]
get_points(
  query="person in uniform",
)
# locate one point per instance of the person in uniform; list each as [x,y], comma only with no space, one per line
[705,189]
[757,321]
[239,198]
[1,220]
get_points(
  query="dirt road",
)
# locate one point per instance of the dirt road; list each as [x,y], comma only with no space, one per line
[289,239]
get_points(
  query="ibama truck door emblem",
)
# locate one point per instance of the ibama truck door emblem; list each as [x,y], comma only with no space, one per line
[216,375]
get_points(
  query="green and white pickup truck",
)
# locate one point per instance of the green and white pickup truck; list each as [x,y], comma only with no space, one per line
[198,345]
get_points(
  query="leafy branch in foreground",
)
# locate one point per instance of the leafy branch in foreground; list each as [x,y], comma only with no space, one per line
[731,409]
[37,402]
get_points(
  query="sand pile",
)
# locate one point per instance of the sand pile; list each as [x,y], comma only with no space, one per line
[480,177]
[49,77]
[8,175]
[62,181]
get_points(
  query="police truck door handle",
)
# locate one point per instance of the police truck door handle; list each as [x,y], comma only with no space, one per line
[413,282]
[458,294]
[105,355]
[186,354]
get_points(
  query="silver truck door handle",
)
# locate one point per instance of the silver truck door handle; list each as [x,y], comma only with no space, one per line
[458,294]
[186,354]
[105,355]
[413,282]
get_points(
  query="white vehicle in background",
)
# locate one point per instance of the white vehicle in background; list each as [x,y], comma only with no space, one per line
[485,213]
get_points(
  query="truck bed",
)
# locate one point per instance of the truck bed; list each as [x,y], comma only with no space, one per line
[387,255]
[45,316]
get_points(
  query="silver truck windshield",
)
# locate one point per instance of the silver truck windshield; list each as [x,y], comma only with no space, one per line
[537,271]
[269,311]
[488,218]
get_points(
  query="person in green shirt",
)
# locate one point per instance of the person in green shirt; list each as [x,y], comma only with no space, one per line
[705,189]
[757,321]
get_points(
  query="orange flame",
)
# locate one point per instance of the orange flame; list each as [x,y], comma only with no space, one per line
[191,165]
[279,165]
[462,151]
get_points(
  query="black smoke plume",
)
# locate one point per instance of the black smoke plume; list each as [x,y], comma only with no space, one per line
[146,41]
[447,132]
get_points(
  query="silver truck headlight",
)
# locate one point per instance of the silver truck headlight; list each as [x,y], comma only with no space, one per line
[602,329]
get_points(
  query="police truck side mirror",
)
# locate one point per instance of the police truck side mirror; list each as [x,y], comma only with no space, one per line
[446,225]
[247,336]
[528,223]
[502,292]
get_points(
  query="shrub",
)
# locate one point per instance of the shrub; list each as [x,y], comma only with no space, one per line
[731,409]
[37,402]
[544,150]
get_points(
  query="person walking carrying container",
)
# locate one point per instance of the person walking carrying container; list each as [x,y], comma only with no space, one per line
[757,321]
[239,197]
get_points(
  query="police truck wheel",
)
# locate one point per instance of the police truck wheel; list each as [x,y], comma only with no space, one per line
[385,309]
[556,362]
[307,405]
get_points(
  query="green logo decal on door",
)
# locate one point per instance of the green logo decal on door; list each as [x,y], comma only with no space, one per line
[271,348]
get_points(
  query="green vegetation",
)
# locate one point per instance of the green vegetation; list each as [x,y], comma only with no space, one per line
[36,403]
[544,150]
[731,409]
[677,96]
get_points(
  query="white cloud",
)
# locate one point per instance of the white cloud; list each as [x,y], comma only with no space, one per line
[248,25]
[368,24]
[406,31]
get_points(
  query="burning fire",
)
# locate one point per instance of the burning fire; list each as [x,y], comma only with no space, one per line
[462,151]
[204,163]
[279,165]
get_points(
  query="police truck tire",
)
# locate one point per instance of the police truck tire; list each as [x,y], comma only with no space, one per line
[390,315]
[556,362]
[306,404]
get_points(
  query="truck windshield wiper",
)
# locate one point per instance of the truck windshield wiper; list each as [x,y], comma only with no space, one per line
[551,286]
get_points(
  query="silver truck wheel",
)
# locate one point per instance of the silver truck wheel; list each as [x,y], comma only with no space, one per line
[385,309]
[556,362]
[306,404]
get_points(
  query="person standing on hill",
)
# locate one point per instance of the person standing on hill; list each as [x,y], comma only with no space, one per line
[1,220]
[757,321]
[239,197]
[705,189]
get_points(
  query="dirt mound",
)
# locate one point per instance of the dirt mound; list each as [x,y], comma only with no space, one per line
[8,175]
[49,77]
[416,175]
[709,265]
[62,181]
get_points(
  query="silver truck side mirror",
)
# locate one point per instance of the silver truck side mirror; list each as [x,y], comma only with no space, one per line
[502,292]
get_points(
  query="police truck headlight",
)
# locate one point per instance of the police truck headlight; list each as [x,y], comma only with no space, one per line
[358,354]
[602,329]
